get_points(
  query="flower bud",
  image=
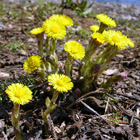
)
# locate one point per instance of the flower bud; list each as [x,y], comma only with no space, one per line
[50,58]
[124,75]
[95,68]
[77,92]
[112,80]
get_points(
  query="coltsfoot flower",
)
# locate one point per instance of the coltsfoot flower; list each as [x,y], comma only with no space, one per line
[98,37]
[19,94]
[32,63]
[75,49]
[130,42]
[63,19]
[116,38]
[61,83]
[37,31]
[54,29]
[106,20]
[94,28]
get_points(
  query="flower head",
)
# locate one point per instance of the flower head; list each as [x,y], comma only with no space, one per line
[54,29]
[75,49]
[63,19]
[130,43]
[61,83]
[37,31]
[19,94]
[32,63]
[106,20]
[94,28]
[116,38]
[98,37]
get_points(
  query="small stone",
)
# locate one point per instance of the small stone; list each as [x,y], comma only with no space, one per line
[3,74]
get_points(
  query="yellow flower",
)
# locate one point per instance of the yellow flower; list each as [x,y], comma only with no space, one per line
[19,94]
[54,29]
[94,28]
[32,63]
[130,42]
[106,20]
[63,19]
[36,31]
[98,37]
[75,49]
[60,82]
[116,38]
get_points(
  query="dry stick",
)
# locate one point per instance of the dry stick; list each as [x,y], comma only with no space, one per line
[134,98]
[22,25]
[38,135]
[53,131]
[89,93]
[91,109]
[39,86]
[4,135]
[38,17]
[122,109]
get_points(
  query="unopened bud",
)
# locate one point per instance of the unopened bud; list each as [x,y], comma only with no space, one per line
[77,92]
[124,75]
[95,68]
[50,58]
[46,88]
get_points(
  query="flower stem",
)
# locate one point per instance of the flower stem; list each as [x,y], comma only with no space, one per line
[68,66]
[88,60]
[15,121]
[108,59]
[102,27]
[53,49]
[40,38]
[47,46]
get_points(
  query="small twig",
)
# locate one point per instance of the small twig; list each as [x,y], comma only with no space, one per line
[40,85]
[38,17]
[38,135]
[132,97]
[22,26]
[122,109]
[62,3]
[93,92]
[4,135]
[91,109]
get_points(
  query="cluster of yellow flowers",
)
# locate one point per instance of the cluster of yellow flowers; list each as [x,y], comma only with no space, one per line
[55,28]
[20,94]
[114,38]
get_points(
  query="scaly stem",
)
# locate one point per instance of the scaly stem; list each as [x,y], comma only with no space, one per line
[103,55]
[102,27]
[50,107]
[88,61]
[53,49]
[108,59]
[68,66]
[47,48]
[15,121]
[40,39]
